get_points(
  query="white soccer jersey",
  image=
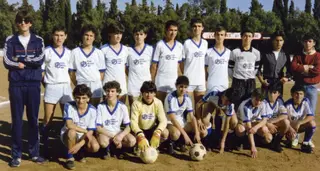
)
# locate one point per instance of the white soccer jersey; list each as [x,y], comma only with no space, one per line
[167,59]
[56,66]
[244,64]
[139,68]
[112,120]
[248,113]
[299,113]
[276,109]
[215,98]
[217,63]
[194,61]
[172,105]
[85,121]
[87,66]
[115,65]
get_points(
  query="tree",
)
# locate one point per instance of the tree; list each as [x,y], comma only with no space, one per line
[153,9]
[308,7]
[223,6]
[144,7]
[113,11]
[278,8]
[133,3]
[291,9]
[316,10]
[255,6]
[210,6]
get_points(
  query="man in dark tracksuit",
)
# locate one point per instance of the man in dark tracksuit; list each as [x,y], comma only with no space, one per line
[23,57]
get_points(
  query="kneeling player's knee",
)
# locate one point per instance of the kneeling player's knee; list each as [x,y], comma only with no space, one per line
[131,141]
[203,133]
[72,134]
[175,134]
[104,144]
[164,134]
[240,130]
[313,123]
[94,147]
[268,138]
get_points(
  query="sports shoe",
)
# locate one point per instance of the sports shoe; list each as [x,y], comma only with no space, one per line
[70,164]
[295,142]
[311,144]
[15,162]
[170,148]
[306,147]
[38,160]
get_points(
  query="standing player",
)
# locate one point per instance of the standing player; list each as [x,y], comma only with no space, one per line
[166,61]
[278,123]
[181,120]
[216,101]
[252,118]
[271,68]
[23,57]
[139,61]
[56,79]
[80,117]
[301,118]
[111,115]
[87,64]
[306,69]
[116,56]
[243,67]
[195,50]
[148,119]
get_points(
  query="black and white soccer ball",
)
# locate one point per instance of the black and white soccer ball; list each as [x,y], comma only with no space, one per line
[197,152]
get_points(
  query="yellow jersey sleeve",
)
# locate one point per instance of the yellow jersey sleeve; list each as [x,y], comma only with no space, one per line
[135,115]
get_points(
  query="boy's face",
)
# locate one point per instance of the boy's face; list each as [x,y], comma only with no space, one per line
[277,43]
[297,97]
[247,38]
[220,36]
[111,94]
[172,32]
[197,29]
[148,96]
[24,25]
[255,101]
[58,38]
[115,38]
[273,95]
[308,44]
[182,89]
[81,100]
[139,37]
[88,38]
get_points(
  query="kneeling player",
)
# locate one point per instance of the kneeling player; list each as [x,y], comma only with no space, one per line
[278,123]
[252,120]
[148,120]
[181,120]
[111,114]
[80,117]
[219,101]
[301,118]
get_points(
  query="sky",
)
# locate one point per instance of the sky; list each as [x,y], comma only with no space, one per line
[243,5]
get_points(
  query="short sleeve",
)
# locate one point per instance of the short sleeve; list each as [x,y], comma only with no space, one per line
[99,115]
[93,118]
[229,110]
[67,115]
[244,114]
[101,61]
[168,104]
[72,62]
[156,53]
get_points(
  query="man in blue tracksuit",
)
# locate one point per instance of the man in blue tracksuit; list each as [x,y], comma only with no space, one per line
[23,57]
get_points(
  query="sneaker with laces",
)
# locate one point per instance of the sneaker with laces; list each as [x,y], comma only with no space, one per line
[38,160]
[15,162]
[70,164]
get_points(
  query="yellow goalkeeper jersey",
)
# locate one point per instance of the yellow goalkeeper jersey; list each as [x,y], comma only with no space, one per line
[145,117]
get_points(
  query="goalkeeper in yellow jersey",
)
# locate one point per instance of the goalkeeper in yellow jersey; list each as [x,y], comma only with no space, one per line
[148,119]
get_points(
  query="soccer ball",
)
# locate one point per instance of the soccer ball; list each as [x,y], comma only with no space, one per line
[149,156]
[197,152]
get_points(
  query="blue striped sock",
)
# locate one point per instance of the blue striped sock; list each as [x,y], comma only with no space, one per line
[309,133]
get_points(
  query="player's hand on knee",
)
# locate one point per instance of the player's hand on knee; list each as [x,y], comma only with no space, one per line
[118,139]
[155,140]
[75,149]
[252,130]
[272,128]
[142,142]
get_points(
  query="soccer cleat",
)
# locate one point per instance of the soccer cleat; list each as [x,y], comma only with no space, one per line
[38,160]
[295,142]
[70,164]
[15,162]
[311,144]
[170,148]
[306,147]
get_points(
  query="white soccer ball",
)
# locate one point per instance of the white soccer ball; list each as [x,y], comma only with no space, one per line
[149,156]
[197,152]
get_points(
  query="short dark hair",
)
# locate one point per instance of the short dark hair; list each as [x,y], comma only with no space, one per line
[171,23]
[228,93]
[23,15]
[59,28]
[140,27]
[82,90]
[196,20]
[309,36]
[258,94]
[112,85]
[296,88]
[148,86]
[277,34]
[87,28]
[182,80]
[276,86]
[247,30]
[115,27]
[220,28]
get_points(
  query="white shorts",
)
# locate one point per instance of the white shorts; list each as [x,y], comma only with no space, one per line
[198,88]
[165,84]
[55,93]
[78,137]
[95,87]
